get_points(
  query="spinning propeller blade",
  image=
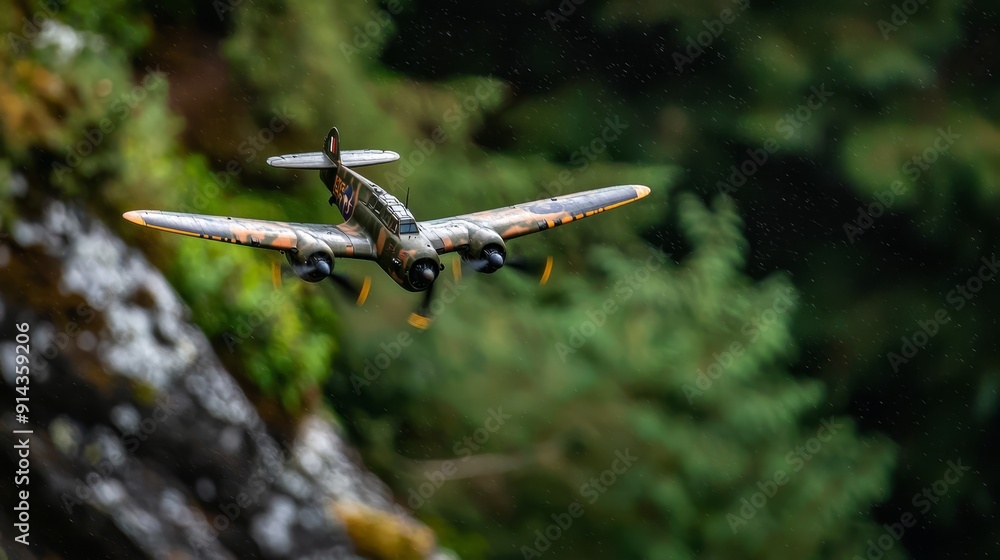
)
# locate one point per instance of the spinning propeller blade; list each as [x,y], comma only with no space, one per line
[276,274]
[542,269]
[421,318]
[359,294]
[346,285]
[524,265]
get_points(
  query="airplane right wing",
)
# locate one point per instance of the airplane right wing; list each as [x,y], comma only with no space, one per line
[451,234]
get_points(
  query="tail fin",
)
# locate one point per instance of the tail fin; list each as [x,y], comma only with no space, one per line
[332,145]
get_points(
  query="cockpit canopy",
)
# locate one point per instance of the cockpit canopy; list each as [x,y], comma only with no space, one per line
[391,212]
[408,226]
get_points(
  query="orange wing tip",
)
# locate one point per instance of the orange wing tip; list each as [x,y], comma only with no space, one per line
[365,288]
[547,272]
[641,191]
[135,217]
[419,321]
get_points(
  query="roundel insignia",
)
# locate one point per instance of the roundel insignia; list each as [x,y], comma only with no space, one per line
[546,207]
[347,201]
[345,195]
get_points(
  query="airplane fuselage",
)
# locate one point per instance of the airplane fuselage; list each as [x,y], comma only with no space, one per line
[400,248]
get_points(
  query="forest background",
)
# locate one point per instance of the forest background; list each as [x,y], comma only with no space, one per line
[783,352]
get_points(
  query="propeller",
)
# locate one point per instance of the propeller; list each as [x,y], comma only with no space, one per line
[525,265]
[533,267]
[358,294]
[426,271]
[421,317]
[490,259]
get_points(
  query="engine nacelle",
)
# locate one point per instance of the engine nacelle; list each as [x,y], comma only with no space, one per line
[487,252]
[315,267]
[422,273]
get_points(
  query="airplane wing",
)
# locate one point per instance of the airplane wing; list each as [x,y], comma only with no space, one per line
[450,234]
[343,240]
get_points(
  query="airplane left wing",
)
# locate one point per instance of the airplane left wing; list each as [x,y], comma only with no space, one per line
[344,240]
[450,234]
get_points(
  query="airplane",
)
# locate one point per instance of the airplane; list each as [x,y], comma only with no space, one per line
[378,227]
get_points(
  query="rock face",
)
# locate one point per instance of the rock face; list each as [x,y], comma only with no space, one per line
[143,445]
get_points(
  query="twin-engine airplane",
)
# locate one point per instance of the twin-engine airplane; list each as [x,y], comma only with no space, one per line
[378,227]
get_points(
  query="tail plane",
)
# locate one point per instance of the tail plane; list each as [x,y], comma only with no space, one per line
[332,157]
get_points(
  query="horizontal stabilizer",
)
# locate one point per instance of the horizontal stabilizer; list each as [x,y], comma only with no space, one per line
[319,160]
[311,160]
[361,158]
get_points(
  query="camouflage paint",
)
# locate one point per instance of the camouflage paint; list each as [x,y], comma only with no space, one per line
[365,236]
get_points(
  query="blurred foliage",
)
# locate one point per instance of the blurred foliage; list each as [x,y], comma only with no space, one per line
[629,383]
[519,95]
